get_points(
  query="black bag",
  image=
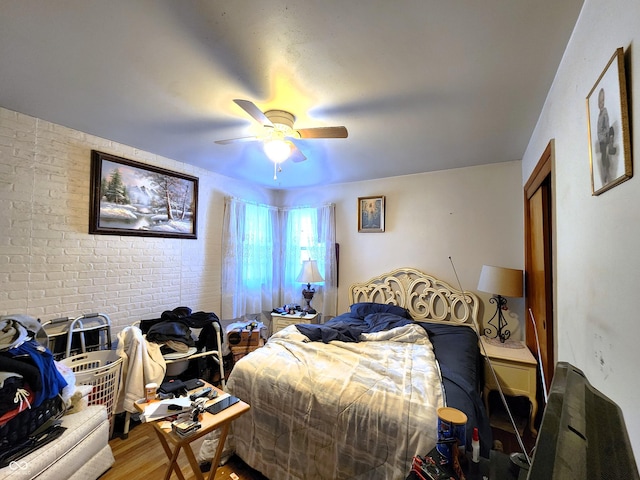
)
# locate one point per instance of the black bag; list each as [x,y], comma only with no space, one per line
[177,387]
[30,444]
[28,421]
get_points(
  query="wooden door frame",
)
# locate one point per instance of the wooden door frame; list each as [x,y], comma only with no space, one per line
[543,172]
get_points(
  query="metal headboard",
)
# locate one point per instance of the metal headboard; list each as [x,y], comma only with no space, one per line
[426,297]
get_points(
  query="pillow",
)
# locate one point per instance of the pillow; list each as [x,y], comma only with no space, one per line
[362,309]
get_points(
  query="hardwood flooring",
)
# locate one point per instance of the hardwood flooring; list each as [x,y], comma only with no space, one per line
[141,456]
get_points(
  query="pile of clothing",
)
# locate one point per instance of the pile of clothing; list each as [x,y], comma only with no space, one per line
[30,383]
[173,330]
[142,350]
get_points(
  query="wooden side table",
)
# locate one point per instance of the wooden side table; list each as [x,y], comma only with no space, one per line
[209,423]
[280,321]
[516,371]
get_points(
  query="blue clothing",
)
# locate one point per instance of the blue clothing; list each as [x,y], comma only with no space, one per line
[52,381]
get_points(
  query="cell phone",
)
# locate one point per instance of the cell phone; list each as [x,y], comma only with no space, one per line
[222,404]
[193,383]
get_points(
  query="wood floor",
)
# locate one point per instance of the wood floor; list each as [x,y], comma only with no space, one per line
[141,456]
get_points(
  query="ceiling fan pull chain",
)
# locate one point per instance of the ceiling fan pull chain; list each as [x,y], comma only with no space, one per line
[275,171]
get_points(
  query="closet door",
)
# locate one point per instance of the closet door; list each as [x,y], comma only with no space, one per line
[538,263]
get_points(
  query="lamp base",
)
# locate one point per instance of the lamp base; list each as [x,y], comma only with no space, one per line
[308,293]
[500,331]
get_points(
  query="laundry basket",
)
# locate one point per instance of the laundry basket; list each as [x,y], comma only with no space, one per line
[101,369]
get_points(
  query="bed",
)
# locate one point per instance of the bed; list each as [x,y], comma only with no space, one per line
[357,397]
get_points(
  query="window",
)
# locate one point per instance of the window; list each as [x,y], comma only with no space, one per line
[249,270]
[258,244]
[302,242]
[264,248]
[309,234]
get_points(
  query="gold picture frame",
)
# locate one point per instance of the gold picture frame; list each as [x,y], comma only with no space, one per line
[608,127]
[133,198]
[371,214]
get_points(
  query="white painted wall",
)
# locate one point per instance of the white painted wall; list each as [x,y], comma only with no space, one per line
[51,267]
[596,257]
[472,214]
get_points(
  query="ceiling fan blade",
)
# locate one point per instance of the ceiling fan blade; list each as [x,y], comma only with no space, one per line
[254,111]
[236,140]
[323,132]
[296,154]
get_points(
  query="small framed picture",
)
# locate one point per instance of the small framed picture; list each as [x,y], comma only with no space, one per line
[608,127]
[132,198]
[371,214]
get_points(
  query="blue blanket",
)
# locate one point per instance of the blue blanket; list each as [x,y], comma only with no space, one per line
[346,328]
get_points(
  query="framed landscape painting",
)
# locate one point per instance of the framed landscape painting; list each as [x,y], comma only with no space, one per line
[132,198]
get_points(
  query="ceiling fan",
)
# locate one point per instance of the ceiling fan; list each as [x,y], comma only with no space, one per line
[279,133]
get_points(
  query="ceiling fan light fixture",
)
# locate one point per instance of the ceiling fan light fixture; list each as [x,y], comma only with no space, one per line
[277,149]
[279,134]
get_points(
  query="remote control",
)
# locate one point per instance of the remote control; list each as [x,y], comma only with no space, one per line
[200,393]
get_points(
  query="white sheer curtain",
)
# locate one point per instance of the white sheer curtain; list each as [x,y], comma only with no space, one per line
[250,275]
[309,234]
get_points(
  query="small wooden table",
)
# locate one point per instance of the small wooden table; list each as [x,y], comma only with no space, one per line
[209,423]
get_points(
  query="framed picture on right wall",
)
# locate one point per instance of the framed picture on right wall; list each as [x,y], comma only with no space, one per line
[371,214]
[608,126]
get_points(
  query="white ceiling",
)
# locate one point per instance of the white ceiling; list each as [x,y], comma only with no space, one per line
[421,85]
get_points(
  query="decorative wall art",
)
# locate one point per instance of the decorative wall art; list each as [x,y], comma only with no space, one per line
[371,214]
[132,198]
[608,126]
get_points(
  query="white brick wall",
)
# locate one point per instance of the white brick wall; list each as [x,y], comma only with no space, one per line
[51,267]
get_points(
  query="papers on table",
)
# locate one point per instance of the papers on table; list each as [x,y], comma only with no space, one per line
[159,410]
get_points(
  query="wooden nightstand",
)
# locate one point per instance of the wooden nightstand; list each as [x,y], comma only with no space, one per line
[280,321]
[516,371]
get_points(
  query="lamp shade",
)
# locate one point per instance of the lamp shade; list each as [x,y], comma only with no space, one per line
[506,282]
[277,149]
[309,272]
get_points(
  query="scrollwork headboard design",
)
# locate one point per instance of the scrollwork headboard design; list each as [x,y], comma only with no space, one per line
[426,297]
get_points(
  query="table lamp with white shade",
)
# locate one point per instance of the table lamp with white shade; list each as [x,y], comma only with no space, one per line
[501,282]
[309,274]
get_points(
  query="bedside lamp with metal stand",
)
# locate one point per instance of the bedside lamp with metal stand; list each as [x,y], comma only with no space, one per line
[309,274]
[501,282]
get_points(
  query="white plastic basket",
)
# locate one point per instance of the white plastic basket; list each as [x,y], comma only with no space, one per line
[101,369]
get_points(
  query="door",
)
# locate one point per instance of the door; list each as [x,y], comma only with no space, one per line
[538,263]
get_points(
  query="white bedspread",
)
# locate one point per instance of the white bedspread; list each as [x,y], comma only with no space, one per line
[338,410]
